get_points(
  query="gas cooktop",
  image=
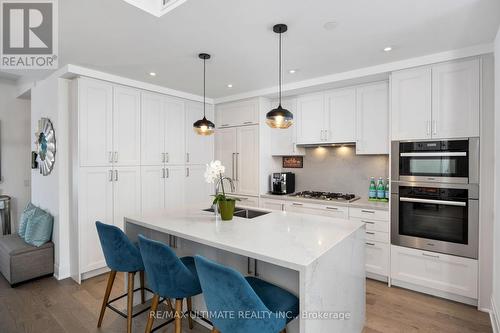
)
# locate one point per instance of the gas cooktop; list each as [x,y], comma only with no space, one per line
[328,196]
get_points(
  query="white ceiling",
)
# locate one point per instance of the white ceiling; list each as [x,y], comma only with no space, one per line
[115,37]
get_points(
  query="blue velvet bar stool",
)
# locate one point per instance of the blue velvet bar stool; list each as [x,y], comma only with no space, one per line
[121,256]
[225,289]
[169,277]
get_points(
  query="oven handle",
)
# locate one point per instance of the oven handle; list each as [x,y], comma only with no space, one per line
[437,202]
[434,154]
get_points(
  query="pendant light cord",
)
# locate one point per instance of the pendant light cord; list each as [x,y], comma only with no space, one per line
[204,83]
[280,70]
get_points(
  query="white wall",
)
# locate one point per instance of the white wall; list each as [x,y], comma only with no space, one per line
[496,251]
[49,99]
[15,149]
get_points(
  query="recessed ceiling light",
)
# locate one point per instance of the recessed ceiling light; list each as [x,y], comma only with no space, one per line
[229,85]
[388,49]
[330,25]
[293,71]
[152,73]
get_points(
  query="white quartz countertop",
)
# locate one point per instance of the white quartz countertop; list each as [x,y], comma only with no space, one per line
[287,239]
[360,203]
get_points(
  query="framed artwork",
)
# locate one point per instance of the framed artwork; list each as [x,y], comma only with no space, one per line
[45,146]
[293,162]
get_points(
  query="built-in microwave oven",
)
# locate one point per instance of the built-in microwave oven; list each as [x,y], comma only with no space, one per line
[436,217]
[443,161]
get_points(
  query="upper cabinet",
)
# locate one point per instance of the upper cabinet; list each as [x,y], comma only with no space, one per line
[109,119]
[199,149]
[284,141]
[439,101]
[95,122]
[455,99]
[411,104]
[175,127]
[237,114]
[311,118]
[372,114]
[356,114]
[341,114]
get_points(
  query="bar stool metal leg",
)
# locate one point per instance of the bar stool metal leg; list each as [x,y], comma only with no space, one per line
[130,301]
[111,280]
[189,308]
[143,298]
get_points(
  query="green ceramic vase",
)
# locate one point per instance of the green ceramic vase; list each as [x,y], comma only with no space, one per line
[226,209]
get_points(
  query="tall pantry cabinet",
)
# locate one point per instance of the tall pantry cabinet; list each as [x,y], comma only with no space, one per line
[132,152]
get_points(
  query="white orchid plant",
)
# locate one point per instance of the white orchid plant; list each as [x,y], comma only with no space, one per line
[213,173]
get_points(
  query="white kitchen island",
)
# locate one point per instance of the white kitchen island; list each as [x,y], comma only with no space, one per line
[320,259]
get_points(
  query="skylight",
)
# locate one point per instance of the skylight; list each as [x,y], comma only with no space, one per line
[157,8]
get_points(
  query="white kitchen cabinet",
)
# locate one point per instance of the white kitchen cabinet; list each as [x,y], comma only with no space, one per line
[411,101]
[153,188]
[126,193]
[455,99]
[377,257]
[247,201]
[225,150]
[237,113]
[341,212]
[272,204]
[341,115]
[152,129]
[197,190]
[238,150]
[247,160]
[175,128]
[434,271]
[199,148]
[372,117]
[440,101]
[126,126]
[175,184]
[95,122]
[95,203]
[311,118]
[284,140]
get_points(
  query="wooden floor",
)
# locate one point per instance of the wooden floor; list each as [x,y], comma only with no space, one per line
[48,305]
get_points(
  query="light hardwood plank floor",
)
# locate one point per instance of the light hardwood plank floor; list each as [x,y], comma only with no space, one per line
[48,305]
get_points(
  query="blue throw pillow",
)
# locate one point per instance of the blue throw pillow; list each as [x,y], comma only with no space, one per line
[25,217]
[39,228]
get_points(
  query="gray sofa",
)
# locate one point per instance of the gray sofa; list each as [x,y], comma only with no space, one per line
[20,261]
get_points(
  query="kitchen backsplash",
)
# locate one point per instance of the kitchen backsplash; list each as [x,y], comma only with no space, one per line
[339,169]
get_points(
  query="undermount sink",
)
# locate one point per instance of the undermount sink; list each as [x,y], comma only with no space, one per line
[243,212]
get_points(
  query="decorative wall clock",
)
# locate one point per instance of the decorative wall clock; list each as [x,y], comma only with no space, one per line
[45,146]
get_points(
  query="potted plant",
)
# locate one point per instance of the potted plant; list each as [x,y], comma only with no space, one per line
[215,173]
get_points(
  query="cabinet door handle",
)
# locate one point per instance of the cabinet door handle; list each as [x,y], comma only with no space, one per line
[434,127]
[368,211]
[370,233]
[116,175]
[233,166]
[224,125]
[168,173]
[110,175]
[116,157]
[371,244]
[326,135]
[163,157]
[332,208]
[110,157]
[167,158]
[187,172]
[247,122]
[237,166]
[369,222]
[430,255]
[428,125]
[187,157]
[296,204]
[162,172]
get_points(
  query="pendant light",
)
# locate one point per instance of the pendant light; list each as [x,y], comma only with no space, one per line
[204,126]
[279,117]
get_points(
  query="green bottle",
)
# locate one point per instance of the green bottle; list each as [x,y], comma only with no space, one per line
[387,190]
[380,189]
[372,191]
